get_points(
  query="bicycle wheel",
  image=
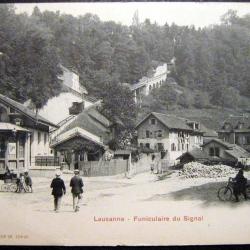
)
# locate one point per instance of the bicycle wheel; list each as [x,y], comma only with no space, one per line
[225,194]
[4,188]
[13,187]
[27,189]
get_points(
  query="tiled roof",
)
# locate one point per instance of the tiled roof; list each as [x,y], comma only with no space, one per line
[24,110]
[225,144]
[238,152]
[208,132]
[196,154]
[235,120]
[90,120]
[170,121]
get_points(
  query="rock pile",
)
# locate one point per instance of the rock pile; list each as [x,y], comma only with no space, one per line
[197,170]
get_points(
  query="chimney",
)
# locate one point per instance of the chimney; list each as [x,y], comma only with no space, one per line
[76,108]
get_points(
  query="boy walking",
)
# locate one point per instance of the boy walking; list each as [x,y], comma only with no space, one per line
[76,185]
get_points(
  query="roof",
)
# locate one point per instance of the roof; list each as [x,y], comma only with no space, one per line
[238,152]
[24,110]
[170,121]
[91,120]
[9,126]
[235,120]
[233,150]
[74,132]
[207,132]
[196,154]
[223,143]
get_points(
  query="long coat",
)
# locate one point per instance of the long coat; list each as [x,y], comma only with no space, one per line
[76,183]
[58,187]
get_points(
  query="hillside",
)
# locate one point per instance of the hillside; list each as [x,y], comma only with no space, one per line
[186,102]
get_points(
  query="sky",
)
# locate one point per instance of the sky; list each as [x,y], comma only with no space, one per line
[180,13]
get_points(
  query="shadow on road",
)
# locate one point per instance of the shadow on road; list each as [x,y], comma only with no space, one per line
[207,193]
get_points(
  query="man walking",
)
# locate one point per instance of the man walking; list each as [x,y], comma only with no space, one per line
[76,185]
[58,189]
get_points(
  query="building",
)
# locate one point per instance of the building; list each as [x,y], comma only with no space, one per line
[226,151]
[23,135]
[57,108]
[84,139]
[236,130]
[146,84]
[169,133]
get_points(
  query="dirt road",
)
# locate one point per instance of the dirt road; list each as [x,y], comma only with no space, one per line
[118,211]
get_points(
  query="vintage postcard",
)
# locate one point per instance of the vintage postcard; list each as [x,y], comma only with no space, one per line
[124,123]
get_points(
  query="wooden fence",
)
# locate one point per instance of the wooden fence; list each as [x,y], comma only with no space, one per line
[103,168]
[46,161]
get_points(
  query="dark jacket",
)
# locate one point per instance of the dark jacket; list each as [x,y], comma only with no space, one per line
[28,180]
[58,187]
[76,183]
[240,182]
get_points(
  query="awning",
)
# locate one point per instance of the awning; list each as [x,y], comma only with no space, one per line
[4,126]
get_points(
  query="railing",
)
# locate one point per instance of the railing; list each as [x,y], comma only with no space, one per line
[46,161]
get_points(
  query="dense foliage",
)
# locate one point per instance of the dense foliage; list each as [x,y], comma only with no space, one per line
[214,61]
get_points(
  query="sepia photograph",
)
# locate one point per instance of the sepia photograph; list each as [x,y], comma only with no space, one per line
[125,123]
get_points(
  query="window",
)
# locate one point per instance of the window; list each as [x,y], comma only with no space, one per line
[173,147]
[141,145]
[150,87]
[147,145]
[179,146]
[159,133]
[2,148]
[45,138]
[187,147]
[147,134]
[214,151]
[211,151]
[21,148]
[217,152]
[248,139]
[152,121]
[182,146]
[39,137]
[196,125]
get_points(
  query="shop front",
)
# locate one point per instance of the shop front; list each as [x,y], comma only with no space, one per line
[14,143]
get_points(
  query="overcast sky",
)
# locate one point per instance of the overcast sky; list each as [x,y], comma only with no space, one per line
[198,14]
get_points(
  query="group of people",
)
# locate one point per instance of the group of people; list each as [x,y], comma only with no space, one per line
[59,189]
[23,180]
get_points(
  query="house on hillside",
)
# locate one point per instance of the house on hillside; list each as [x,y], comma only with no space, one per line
[146,84]
[23,135]
[84,139]
[168,133]
[236,130]
[56,109]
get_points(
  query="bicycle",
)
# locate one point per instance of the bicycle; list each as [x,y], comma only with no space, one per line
[226,193]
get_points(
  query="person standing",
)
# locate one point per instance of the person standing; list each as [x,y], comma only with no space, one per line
[240,185]
[58,189]
[28,180]
[76,185]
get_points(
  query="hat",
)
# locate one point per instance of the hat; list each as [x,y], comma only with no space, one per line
[58,173]
[76,171]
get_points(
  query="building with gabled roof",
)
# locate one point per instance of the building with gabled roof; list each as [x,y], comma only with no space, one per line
[171,134]
[225,150]
[85,138]
[236,130]
[24,135]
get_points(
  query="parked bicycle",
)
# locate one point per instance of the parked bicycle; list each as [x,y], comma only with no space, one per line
[226,193]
